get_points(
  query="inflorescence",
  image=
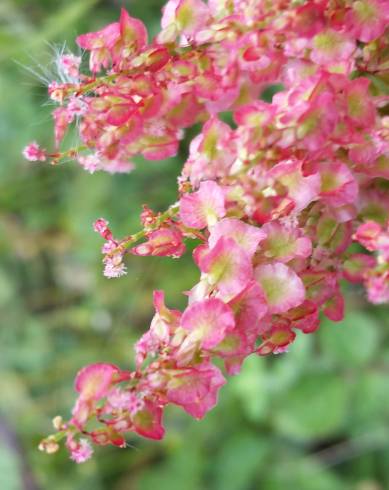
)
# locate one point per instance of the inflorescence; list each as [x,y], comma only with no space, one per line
[278,197]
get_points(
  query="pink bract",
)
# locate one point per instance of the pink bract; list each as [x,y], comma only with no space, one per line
[94,381]
[196,391]
[282,287]
[203,207]
[208,321]
[227,267]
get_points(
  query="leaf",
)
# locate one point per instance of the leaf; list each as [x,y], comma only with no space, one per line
[352,342]
[250,388]
[370,407]
[182,470]
[240,460]
[315,407]
[302,474]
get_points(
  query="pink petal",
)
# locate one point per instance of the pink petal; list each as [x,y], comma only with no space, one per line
[246,236]
[133,32]
[302,189]
[338,185]
[204,207]
[249,307]
[208,320]
[367,19]
[282,286]
[330,47]
[228,267]
[94,381]
[148,421]
[284,243]
[196,391]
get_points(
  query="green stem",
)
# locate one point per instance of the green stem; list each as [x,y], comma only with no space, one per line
[129,241]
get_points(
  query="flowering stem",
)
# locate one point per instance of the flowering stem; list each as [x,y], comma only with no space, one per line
[166,215]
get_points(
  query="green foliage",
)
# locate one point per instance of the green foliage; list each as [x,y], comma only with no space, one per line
[314,419]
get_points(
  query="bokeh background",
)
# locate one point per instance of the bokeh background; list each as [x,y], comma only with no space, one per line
[314,419]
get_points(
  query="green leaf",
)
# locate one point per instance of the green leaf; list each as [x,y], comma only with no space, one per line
[182,470]
[315,407]
[370,407]
[240,460]
[251,388]
[301,474]
[352,342]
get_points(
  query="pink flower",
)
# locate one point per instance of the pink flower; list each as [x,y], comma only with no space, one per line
[114,267]
[254,115]
[246,236]
[366,153]
[309,19]
[163,326]
[196,390]
[383,246]
[367,19]
[277,340]
[69,64]
[305,317]
[124,400]
[34,153]
[334,307]
[99,44]
[378,288]
[249,307]
[133,34]
[148,421]
[282,287]
[211,153]
[284,243]
[62,118]
[90,163]
[94,381]
[100,226]
[165,242]
[204,207]
[320,285]
[338,185]
[303,189]
[227,267]
[330,46]
[80,451]
[360,106]
[357,265]
[318,121]
[367,235]
[208,321]
[189,16]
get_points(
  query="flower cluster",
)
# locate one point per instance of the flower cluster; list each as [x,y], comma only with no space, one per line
[278,197]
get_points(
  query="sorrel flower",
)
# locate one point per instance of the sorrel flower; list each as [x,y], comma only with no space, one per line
[274,193]
[33,152]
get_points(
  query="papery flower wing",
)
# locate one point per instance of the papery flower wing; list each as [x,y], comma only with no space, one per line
[246,236]
[208,321]
[203,207]
[282,286]
[94,381]
[197,390]
[228,267]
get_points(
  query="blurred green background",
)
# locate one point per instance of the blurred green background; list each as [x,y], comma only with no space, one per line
[314,419]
